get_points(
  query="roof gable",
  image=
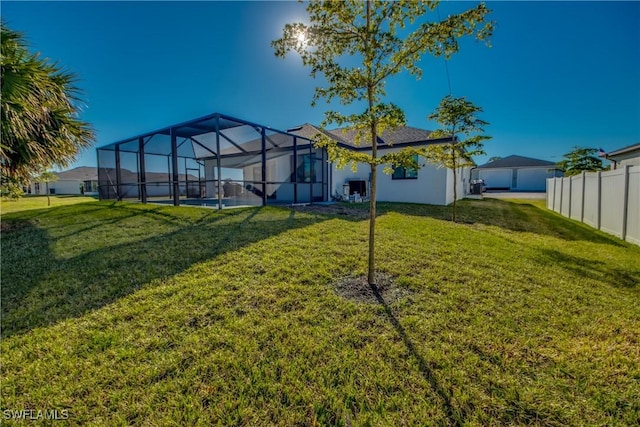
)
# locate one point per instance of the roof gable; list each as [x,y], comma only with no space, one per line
[81,173]
[516,162]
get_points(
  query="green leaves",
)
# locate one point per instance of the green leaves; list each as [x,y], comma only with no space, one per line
[388,116]
[406,158]
[357,45]
[10,188]
[457,116]
[46,176]
[580,159]
[39,108]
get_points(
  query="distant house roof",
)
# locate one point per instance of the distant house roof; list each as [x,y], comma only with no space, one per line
[515,162]
[625,150]
[128,176]
[401,136]
[85,173]
[82,173]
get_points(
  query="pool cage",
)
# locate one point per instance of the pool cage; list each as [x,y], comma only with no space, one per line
[216,161]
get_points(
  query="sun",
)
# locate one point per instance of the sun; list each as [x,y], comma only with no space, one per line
[301,38]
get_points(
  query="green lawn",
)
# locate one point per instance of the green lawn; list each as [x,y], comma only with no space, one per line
[40,202]
[128,314]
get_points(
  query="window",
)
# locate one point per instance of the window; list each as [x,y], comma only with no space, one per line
[305,172]
[401,172]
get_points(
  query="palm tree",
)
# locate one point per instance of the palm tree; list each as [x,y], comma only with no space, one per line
[39,108]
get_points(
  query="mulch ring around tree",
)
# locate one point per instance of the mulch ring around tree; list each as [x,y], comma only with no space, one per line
[357,288]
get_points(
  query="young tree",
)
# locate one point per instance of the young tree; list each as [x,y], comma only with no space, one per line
[356,46]
[580,159]
[457,117]
[46,177]
[39,109]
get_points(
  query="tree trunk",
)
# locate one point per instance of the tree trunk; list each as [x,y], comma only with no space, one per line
[372,226]
[374,154]
[455,183]
[455,192]
[48,195]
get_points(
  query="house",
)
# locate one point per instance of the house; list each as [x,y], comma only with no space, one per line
[156,185]
[218,160]
[625,156]
[428,185]
[516,173]
[80,180]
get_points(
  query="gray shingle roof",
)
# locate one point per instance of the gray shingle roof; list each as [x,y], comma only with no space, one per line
[515,162]
[399,136]
[85,173]
[132,177]
[306,130]
[624,150]
[82,173]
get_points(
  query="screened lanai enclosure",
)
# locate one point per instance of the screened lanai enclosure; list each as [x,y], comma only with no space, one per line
[217,161]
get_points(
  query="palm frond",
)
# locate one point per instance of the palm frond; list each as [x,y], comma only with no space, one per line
[39,111]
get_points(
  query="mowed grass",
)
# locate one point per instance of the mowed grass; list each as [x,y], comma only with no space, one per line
[40,202]
[128,314]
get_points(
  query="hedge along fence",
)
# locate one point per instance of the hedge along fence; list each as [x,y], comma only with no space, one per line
[608,201]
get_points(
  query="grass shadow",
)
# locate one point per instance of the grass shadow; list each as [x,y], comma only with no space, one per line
[519,216]
[457,415]
[426,368]
[589,269]
[128,246]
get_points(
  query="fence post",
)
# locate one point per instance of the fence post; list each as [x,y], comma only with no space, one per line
[599,199]
[570,190]
[584,184]
[625,209]
[561,194]
[558,181]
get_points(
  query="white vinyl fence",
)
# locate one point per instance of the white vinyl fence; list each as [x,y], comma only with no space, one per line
[608,201]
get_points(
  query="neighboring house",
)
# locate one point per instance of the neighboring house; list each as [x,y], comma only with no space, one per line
[157,184]
[625,156]
[516,173]
[230,162]
[74,181]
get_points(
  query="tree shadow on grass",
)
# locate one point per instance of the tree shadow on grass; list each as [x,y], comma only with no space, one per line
[456,415]
[619,277]
[41,288]
[426,368]
[510,215]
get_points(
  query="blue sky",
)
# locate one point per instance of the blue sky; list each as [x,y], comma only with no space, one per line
[558,74]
